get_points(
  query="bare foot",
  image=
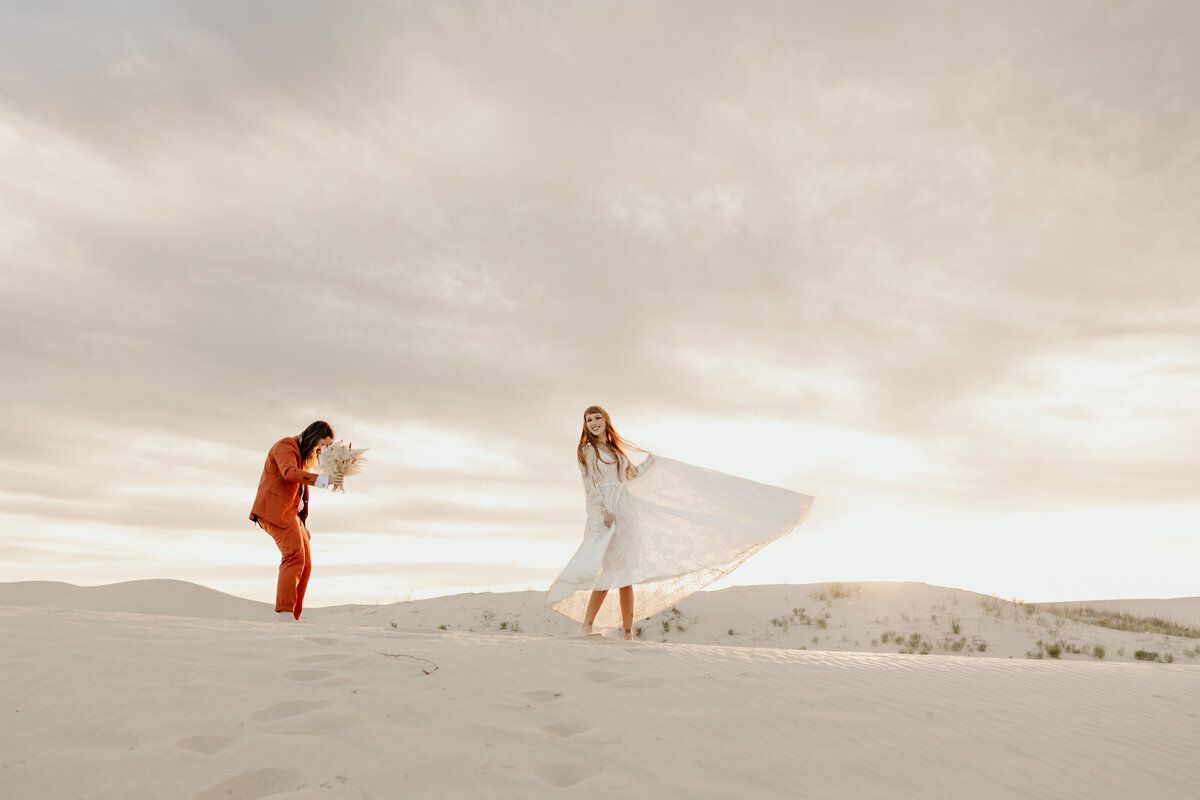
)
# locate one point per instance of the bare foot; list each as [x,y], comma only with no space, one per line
[586,629]
[628,635]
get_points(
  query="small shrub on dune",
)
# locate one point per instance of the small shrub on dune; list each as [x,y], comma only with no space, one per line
[639,632]
[991,606]
[800,617]
[915,643]
[1098,653]
[1145,655]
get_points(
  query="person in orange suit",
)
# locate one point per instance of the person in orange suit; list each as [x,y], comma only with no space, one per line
[281,508]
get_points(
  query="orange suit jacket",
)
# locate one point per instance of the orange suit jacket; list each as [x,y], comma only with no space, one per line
[279,487]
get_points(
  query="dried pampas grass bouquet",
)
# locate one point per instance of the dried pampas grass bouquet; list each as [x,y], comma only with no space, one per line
[337,457]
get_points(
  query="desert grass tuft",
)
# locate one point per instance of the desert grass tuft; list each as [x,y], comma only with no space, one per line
[1123,621]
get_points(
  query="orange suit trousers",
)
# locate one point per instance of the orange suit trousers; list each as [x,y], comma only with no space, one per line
[296,565]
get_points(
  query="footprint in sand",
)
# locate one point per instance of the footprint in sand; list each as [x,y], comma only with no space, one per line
[599,676]
[255,784]
[565,730]
[542,695]
[204,744]
[623,681]
[290,708]
[318,658]
[302,717]
[306,675]
[562,775]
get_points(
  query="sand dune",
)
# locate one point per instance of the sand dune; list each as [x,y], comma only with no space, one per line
[906,618]
[167,597]
[868,617]
[1184,610]
[116,704]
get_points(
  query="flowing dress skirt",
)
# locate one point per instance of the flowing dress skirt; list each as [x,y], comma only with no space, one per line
[679,528]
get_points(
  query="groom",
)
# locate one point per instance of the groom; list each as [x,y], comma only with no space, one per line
[281,508]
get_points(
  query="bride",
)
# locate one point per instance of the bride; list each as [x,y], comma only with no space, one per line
[663,527]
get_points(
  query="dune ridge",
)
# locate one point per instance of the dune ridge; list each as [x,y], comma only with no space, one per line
[154,596]
[882,617]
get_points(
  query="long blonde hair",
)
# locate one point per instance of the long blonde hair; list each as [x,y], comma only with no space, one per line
[612,440]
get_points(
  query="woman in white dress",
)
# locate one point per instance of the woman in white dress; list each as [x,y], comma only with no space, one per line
[606,467]
[663,527]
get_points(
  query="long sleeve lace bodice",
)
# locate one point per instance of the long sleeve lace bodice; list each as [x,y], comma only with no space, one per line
[604,478]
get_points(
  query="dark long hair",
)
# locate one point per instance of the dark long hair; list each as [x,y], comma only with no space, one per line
[311,437]
[612,440]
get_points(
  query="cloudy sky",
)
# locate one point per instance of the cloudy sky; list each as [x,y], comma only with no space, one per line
[936,263]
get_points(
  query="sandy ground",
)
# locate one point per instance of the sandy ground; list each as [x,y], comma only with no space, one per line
[104,700]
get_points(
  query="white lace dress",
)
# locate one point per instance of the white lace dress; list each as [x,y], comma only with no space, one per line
[676,529]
